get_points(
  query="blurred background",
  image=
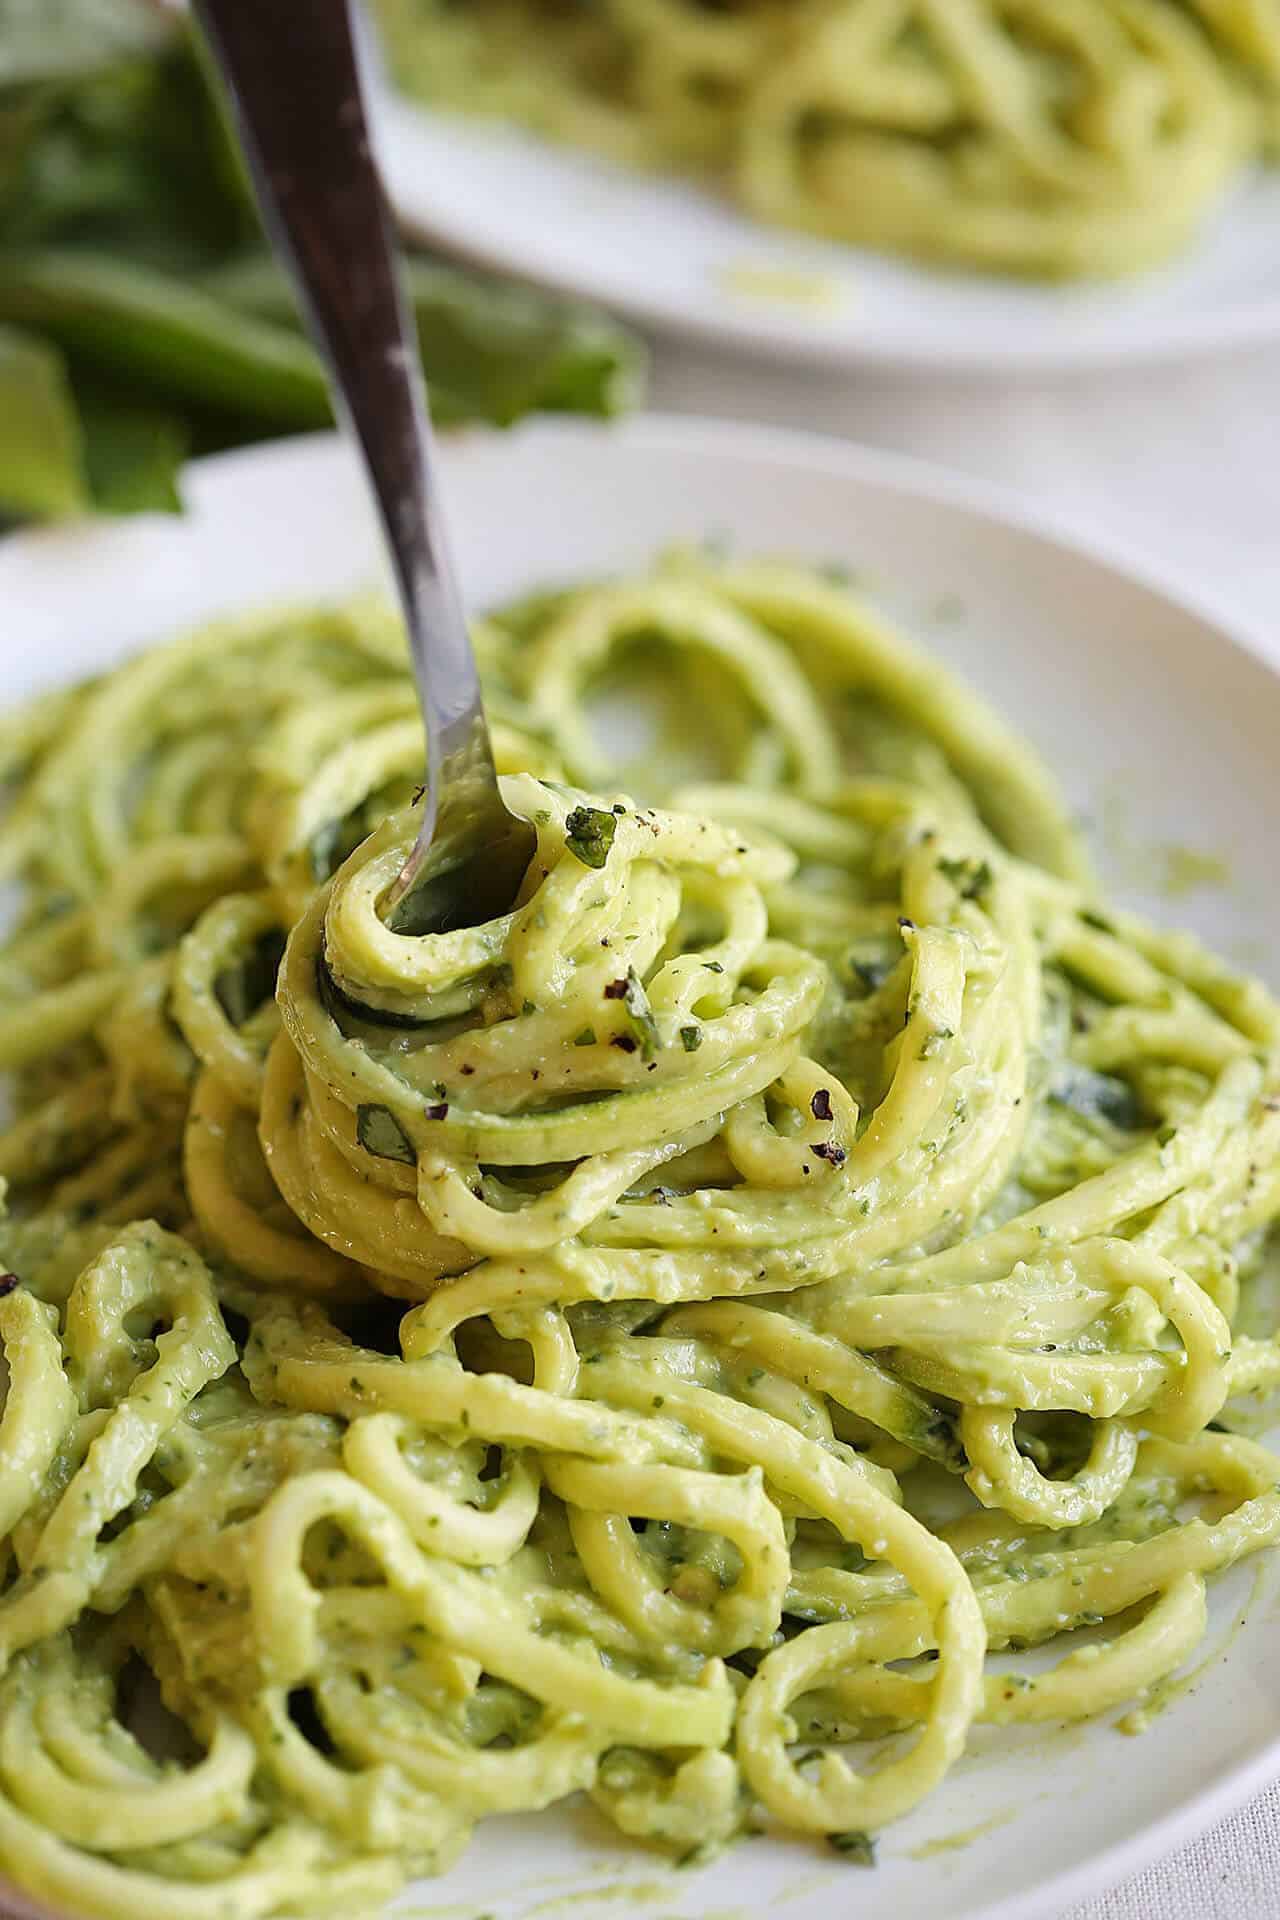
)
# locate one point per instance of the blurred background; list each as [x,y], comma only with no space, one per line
[141,320]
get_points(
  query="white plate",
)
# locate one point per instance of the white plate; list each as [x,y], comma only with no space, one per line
[674,255]
[1136,697]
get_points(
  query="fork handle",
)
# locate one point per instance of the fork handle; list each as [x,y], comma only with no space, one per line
[293,76]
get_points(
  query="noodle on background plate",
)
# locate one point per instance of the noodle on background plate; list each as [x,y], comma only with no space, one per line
[647,1344]
[1090,138]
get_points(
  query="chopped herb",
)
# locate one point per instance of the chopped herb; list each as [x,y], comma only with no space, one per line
[1096,920]
[242,988]
[623,1042]
[526,1008]
[713,966]
[859,1849]
[934,1042]
[380,1133]
[691,1038]
[439,1111]
[971,878]
[588,835]
[587,1038]
[1165,1135]
[834,1156]
[820,1105]
[639,1014]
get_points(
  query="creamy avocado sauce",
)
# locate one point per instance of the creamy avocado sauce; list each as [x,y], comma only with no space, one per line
[646,1347]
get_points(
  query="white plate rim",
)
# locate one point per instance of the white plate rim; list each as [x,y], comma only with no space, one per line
[770,332]
[932,480]
[1238,1782]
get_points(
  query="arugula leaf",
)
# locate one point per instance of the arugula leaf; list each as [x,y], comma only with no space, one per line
[126,152]
[41,447]
[133,455]
[163,336]
[41,40]
[131,251]
[491,351]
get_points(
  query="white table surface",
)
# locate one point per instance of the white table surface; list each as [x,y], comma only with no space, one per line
[1182,465]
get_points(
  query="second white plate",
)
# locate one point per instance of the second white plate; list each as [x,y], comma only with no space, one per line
[673,255]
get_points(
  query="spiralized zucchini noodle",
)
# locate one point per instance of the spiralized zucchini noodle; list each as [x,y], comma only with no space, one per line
[658,1343]
[1053,138]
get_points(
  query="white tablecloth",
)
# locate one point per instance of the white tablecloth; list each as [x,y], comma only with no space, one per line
[1183,464]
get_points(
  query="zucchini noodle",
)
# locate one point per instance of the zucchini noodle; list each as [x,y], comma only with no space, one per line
[662,1343]
[1021,136]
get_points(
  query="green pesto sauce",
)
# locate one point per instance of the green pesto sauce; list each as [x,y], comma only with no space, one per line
[954,1842]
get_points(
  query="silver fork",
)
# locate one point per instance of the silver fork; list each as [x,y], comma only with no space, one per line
[292,73]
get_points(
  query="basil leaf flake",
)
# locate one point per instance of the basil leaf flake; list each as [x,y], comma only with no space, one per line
[240,989]
[859,1849]
[380,1133]
[640,1015]
[588,835]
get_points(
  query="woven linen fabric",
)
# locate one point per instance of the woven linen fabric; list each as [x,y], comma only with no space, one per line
[1230,1873]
